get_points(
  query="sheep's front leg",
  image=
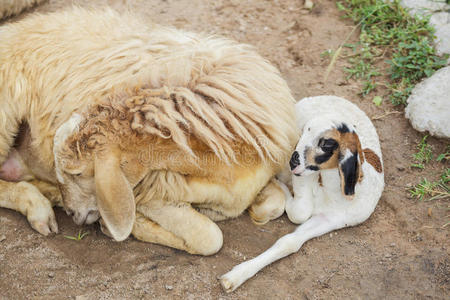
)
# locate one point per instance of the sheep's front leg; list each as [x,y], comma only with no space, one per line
[269,203]
[146,230]
[178,225]
[288,244]
[50,191]
[28,200]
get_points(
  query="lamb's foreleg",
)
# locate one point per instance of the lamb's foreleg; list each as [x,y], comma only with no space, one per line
[316,226]
[300,208]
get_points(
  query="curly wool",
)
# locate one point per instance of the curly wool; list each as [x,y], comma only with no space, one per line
[219,103]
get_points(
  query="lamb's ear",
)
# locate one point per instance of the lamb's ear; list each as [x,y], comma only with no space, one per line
[115,199]
[350,156]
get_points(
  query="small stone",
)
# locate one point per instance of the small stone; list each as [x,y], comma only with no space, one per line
[400,168]
[2,238]
[393,244]
[169,287]
[341,82]
[308,4]
[51,274]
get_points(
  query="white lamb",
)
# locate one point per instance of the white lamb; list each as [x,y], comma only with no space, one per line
[338,178]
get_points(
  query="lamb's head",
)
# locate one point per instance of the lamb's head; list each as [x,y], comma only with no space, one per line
[327,144]
[95,176]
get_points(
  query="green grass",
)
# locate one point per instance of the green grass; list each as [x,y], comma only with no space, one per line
[424,155]
[444,156]
[432,190]
[78,237]
[389,34]
[428,190]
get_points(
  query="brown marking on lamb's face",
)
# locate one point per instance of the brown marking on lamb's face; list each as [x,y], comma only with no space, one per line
[373,159]
[320,180]
[323,160]
[346,140]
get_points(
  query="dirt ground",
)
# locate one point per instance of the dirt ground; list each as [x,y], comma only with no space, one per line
[399,253]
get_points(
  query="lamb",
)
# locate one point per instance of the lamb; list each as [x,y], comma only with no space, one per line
[10,8]
[158,132]
[337,178]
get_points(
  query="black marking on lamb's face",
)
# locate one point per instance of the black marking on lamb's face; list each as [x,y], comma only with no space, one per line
[350,172]
[295,160]
[328,145]
[312,168]
[343,128]
[320,159]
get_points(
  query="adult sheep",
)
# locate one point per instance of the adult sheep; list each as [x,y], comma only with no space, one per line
[155,130]
[10,8]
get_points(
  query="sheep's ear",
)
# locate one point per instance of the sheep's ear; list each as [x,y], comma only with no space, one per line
[62,133]
[350,156]
[65,130]
[115,199]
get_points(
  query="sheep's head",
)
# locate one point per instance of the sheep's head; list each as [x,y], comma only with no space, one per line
[95,178]
[326,144]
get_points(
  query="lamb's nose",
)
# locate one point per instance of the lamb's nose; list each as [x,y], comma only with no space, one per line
[294,162]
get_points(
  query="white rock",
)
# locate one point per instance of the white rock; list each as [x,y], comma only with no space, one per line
[440,19]
[443,39]
[429,104]
[424,6]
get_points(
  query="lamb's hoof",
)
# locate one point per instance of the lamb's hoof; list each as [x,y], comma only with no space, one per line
[227,285]
[233,279]
[42,219]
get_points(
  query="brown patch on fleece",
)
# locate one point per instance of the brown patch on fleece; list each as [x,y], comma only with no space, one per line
[373,159]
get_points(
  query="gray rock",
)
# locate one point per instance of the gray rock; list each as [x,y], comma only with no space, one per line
[439,19]
[443,39]
[429,104]
[424,7]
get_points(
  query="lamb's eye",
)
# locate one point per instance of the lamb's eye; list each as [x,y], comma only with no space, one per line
[328,145]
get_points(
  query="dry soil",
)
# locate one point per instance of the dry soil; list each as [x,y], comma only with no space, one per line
[401,252]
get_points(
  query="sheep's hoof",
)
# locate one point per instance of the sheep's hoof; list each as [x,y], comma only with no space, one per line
[42,219]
